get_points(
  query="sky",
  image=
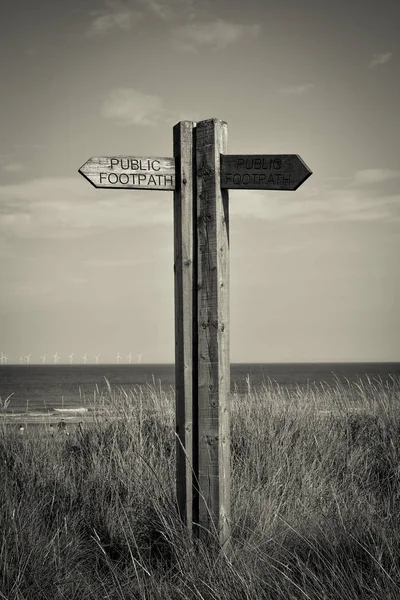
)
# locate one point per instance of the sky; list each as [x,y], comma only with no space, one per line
[314,273]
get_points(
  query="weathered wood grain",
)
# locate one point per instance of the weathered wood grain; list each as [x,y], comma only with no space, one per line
[130,172]
[184,268]
[213,332]
[200,174]
[263,171]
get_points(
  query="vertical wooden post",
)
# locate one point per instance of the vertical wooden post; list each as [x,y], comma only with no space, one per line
[213,332]
[184,267]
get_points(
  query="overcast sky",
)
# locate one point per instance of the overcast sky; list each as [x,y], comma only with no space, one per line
[315,273]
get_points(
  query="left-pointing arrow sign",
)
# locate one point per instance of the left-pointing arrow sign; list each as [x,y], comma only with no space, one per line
[130,172]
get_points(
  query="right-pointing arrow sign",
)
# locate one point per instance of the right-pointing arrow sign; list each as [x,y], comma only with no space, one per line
[263,171]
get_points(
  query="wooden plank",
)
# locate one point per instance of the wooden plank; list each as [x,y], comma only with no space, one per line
[184,316]
[263,171]
[213,332]
[130,172]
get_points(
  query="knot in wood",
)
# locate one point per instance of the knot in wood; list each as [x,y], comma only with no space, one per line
[203,195]
[205,171]
[211,440]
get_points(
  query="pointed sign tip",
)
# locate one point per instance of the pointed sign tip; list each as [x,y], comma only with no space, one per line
[84,167]
[285,172]
[306,176]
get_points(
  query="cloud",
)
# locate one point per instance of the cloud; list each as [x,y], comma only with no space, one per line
[115,16]
[166,10]
[6,164]
[129,106]
[162,10]
[216,35]
[68,208]
[56,208]
[123,15]
[380,59]
[369,176]
[13,167]
[316,204]
[296,90]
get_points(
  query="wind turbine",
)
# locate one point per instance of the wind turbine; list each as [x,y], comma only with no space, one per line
[56,358]
[21,359]
[28,358]
[3,359]
[43,358]
[139,357]
[71,356]
[129,357]
[118,357]
[96,356]
[84,359]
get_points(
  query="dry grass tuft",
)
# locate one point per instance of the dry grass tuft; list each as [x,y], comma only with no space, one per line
[315,501]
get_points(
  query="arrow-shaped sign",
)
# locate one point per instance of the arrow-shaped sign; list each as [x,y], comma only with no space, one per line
[130,172]
[238,171]
[263,171]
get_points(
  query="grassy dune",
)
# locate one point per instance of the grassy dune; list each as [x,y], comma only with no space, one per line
[315,501]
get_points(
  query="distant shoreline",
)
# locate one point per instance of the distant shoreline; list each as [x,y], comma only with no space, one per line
[241,363]
[53,419]
[91,418]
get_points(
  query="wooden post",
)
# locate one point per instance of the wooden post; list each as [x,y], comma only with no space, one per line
[200,174]
[213,333]
[184,250]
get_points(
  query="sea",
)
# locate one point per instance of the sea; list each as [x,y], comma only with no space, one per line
[42,391]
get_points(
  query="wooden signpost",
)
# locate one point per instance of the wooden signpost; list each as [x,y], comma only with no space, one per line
[263,172]
[200,174]
[131,172]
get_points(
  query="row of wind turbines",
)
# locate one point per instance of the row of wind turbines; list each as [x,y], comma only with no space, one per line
[56,358]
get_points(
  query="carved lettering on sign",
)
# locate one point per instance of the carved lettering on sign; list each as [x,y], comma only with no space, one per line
[135,164]
[264,172]
[258,163]
[278,179]
[130,172]
[142,179]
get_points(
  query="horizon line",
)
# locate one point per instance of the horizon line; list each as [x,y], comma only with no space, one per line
[136,364]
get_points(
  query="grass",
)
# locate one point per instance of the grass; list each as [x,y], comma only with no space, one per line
[315,501]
